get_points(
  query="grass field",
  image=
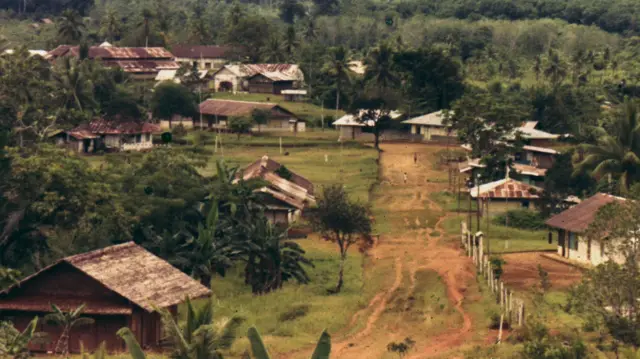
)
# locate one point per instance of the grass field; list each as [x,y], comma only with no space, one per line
[302,109]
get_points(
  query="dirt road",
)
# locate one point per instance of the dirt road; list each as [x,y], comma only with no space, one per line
[412,249]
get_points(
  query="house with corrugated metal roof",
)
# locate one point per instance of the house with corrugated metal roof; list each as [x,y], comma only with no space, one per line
[120,286]
[143,63]
[216,113]
[571,227]
[508,192]
[287,193]
[108,135]
[274,78]
[206,57]
[431,126]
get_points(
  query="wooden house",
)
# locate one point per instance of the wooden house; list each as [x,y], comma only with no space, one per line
[430,126]
[216,113]
[350,127]
[101,134]
[271,82]
[206,57]
[236,78]
[121,286]
[285,198]
[571,226]
[508,193]
[294,95]
[142,63]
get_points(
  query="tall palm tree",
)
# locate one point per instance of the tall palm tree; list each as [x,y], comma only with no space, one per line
[337,67]
[110,25]
[73,84]
[380,72]
[144,25]
[556,70]
[199,337]
[70,27]
[617,151]
[290,41]
[67,321]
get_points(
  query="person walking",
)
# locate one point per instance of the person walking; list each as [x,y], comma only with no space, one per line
[405,178]
[415,158]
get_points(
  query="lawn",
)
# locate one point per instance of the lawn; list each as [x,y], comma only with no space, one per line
[305,110]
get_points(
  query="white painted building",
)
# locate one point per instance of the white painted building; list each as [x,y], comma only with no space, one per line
[430,125]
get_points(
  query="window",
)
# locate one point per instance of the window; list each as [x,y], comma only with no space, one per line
[207,65]
[573,241]
[138,138]
[148,136]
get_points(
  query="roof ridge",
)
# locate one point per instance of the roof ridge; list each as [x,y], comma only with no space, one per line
[256,102]
[98,252]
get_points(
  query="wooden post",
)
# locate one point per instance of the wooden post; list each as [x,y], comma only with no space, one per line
[501,295]
[500,330]
[468,244]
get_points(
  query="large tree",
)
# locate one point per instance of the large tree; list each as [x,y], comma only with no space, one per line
[342,221]
[171,99]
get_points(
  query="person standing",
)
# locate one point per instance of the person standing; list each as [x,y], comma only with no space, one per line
[405,178]
[415,158]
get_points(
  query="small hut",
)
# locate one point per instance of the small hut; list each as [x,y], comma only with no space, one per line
[507,193]
[121,286]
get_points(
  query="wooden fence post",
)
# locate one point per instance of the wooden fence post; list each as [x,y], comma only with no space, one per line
[500,330]
[502,295]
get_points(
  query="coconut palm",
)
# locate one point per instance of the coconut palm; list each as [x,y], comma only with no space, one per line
[199,337]
[144,25]
[337,67]
[273,50]
[556,70]
[110,25]
[73,85]
[617,151]
[380,72]
[67,321]
[70,27]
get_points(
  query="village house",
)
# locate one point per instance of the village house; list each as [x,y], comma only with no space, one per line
[121,286]
[571,226]
[287,194]
[274,79]
[294,95]
[507,194]
[349,127]
[533,136]
[216,113]
[101,134]
[430,126]
[143,63]
[207,57]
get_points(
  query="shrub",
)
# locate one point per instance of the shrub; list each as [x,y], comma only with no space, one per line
[521,218]
[295,312]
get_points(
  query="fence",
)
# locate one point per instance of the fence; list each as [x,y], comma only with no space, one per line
[511,308]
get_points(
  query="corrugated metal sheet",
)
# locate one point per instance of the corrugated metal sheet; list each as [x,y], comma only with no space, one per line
[200,51]
[430,119]
[230,108]
[507,188]
[579,217]
[265,164]
[130,59]
[81,134]
[352,120]
[278,76]
[106,127]
[529,170]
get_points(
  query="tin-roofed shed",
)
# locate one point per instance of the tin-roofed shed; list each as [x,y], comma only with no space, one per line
[120,285]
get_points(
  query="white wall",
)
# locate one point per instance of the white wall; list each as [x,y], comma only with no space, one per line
[225,75]
[203,64]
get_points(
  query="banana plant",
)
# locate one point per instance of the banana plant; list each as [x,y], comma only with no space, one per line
[14,344]
[322,350]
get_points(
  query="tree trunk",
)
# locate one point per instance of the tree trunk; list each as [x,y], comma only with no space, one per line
[343,257]
[205,280]
[337,100]
[377,140]
[62,346]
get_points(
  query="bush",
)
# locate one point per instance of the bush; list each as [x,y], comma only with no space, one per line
[178,131]
[295,312]
[522,219]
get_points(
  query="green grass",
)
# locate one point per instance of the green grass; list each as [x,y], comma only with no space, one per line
[295,316]
[302,109]
[503,239]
